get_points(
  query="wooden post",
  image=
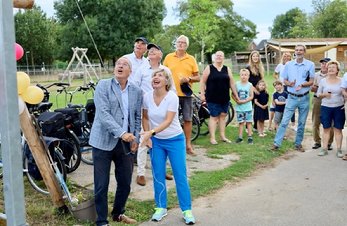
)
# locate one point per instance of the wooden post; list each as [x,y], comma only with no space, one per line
[39,153]
[23,4]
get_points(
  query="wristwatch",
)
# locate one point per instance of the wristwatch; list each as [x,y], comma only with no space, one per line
[153,132]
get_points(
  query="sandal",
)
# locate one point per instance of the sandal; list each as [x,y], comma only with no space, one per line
[226,141]
[344,157]
[213,142]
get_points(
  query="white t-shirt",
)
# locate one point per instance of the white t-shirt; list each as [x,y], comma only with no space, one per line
[344,81]
[279,69]
[157,114]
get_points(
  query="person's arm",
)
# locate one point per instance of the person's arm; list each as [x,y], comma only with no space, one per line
[203,81]
[165,124]
[251,95]
[232,85]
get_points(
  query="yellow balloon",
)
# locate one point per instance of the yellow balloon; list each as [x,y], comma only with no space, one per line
[23,82]
[33,95]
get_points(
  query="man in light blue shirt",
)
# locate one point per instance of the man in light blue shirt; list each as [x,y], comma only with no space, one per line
[298,76]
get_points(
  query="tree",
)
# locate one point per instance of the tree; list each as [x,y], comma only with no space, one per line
[213,23]
[329,18]
[113,24]
[292,24]
[36,34]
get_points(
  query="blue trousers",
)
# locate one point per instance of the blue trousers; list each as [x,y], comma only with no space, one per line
[303,106]
[175,149]
[123,172]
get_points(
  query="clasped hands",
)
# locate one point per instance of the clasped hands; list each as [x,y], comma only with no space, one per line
[129,137]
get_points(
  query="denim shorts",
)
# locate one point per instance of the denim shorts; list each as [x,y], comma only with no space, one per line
[244,116]
[332,114]
[217,109]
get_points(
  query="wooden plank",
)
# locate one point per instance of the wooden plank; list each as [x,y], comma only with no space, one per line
[23,4]
[39,153]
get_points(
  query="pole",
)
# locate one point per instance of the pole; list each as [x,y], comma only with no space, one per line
[26,57]
[13,185]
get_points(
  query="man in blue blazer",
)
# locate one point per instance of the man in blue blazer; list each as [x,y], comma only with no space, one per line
[115,137]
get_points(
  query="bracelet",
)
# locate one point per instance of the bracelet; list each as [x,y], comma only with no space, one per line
[153,132]
[190,79]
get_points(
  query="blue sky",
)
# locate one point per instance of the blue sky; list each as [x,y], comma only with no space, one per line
[260,12]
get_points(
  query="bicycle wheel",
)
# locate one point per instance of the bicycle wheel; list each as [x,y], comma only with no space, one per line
[36,181]
[85,148]
[195,128]
[72,152]
[231,114]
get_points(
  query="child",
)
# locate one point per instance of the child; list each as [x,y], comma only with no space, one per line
[244,105]
[272,115]
[261,111]
[279,98]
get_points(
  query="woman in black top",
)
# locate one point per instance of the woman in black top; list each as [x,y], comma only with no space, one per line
[215,85]
[256,73]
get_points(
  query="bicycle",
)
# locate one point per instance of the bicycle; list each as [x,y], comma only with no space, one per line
[57,124]
[203,113]
[195,124]
[30,169]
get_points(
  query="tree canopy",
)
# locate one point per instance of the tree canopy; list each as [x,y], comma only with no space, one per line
[328,20]
[36,34]
[114,25]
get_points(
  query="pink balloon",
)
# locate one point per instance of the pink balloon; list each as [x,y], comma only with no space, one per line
[19,51]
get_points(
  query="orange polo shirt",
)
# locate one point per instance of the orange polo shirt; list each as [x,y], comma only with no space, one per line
[180,67]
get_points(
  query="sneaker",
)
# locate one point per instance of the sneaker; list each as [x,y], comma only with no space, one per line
[339,154]
[330,147]
[274,148]
[250,140]
[188,217]
[159,214]
[323,152]
[316,146]
[299,148]
[239,140]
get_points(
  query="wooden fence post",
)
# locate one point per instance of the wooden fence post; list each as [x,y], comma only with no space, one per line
[24,4]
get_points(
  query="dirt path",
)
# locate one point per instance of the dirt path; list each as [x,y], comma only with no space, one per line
[84,174]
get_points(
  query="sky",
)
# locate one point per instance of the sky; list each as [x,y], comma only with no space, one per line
[260,12]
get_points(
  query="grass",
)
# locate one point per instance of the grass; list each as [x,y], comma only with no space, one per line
[41,212]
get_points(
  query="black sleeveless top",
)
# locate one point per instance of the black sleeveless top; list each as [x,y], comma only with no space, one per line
[218,86]
[253,78]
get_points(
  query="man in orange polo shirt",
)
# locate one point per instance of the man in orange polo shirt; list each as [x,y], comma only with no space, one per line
[185,71]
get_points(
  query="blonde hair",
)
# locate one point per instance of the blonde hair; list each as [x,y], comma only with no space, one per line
[284,54]
[337,65]
[256,68]
[167,76]
[244,70]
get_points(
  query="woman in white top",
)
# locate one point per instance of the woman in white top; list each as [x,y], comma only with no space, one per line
[332,108]
[163,132]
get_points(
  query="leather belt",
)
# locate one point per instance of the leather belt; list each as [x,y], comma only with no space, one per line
[298,95]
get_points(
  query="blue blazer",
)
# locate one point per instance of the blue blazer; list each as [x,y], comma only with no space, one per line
[108,122]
